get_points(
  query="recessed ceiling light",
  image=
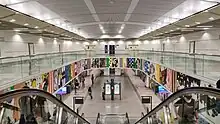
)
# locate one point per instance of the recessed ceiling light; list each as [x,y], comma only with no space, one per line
[26,24]
[16,12]
[211,18]
[36,27]
[12,20]
[52,31]
[45,29]
[0,22]
[171,30]
[206,11]
[166,32]
[187,25]
[198,23]
[178,28]
[120,31]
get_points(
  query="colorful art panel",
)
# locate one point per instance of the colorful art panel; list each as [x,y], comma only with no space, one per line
[68,75]
[77,67]
[169,80]
[139,63]
[114,62]
[146,67]
[45,84]
[152,71]
[163,74]
[56,79]
[73,70]
[103,62]
[86,64]
[131,63]
[158,73]
[183,81]
[95,62]
[121,62]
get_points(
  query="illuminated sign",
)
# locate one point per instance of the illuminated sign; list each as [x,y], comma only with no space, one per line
[107,89]
[117,89]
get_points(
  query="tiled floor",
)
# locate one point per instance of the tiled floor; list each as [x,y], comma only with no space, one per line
[129,103]
[141,90]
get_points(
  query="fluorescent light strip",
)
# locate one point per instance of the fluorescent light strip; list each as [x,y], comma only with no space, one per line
[205,26]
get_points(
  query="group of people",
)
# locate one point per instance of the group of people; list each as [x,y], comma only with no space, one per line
[187,106]
[33,107]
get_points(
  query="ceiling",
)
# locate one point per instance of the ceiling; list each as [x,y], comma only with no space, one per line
[95,18]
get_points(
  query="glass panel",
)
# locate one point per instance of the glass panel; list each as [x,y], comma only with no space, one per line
[188,109]
[34,109]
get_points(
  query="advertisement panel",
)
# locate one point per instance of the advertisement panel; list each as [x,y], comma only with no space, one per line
[116,89]
[107,89]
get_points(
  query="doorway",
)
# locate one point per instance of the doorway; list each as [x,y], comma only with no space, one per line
[31,50]
[192,47]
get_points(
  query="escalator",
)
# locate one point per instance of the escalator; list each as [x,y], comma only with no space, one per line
[196,105]
[32,106]
[112,119]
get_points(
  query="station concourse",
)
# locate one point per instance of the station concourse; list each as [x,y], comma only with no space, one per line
[109,61]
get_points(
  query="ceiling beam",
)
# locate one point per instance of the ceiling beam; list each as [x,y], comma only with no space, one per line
[92,9]
[97,23]
[130,11]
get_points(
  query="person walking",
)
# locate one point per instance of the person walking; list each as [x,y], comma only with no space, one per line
[90,92]
[83,82]
[103,93]
[92,78]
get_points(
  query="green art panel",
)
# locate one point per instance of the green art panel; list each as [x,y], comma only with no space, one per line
[108,63]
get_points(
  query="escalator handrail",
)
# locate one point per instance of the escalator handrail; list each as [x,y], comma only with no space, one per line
[28,92]
[202,90]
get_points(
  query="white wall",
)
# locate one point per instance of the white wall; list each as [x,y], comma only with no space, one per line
[206,42]
[15,44]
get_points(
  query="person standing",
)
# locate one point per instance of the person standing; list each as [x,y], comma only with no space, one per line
[216,111]
[25,103]
[90,92]
[92,78]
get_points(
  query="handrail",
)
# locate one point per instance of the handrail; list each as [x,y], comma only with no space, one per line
[203,90]
[97,119]
[28,92]
[10,57]
[179,52]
